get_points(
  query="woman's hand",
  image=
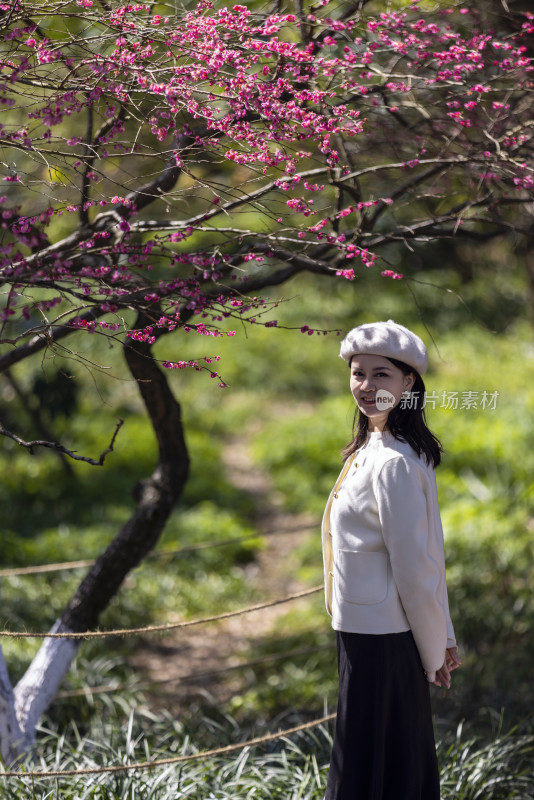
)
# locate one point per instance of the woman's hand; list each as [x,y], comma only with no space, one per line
[452,662]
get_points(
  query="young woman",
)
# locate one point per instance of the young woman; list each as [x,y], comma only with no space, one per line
[385,577]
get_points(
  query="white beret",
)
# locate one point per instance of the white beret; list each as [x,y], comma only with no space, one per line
[386,339]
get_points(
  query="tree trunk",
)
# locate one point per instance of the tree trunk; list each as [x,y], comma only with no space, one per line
[38,687]
[11,736]
[156,496]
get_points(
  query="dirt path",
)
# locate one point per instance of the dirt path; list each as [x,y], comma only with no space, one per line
[193,662]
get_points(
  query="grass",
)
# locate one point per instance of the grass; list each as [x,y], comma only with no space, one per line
[293,768]
[497,770]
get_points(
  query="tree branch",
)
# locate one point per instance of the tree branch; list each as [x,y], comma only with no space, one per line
[401,190]
[169,224]
[60,448]
[45,338]
[86,183]
[431,228]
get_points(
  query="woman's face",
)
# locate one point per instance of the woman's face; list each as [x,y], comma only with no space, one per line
[377,386]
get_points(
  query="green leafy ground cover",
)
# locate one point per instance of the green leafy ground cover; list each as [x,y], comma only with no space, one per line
[292,768]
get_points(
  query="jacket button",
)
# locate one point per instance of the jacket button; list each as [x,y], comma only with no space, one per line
[336,495]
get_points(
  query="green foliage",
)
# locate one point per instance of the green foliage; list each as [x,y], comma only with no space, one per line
[293,768]
[294,666]
[301,452]
[498,770]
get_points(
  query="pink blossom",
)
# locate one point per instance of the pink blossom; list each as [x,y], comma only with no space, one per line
[239,93]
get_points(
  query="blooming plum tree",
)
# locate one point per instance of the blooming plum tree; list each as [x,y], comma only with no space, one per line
[162,167]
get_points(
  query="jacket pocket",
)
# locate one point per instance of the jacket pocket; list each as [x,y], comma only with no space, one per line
[362,577]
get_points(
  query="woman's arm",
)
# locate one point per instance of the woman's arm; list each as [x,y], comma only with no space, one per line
[412,534]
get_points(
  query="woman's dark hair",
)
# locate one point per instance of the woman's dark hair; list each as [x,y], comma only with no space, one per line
[406,422]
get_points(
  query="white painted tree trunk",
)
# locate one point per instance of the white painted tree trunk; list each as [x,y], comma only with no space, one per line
[11,735]
[39,685]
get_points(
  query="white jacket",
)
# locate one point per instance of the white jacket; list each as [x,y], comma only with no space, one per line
[383,549]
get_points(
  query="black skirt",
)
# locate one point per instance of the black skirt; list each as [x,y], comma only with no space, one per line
[384,745]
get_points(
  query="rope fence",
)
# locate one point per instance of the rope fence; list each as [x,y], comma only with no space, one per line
[164,762]
[168,626]
[64,566]
[148,629]
[42,568]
